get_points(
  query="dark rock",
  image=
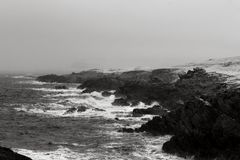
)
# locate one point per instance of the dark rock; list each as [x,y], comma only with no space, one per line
[134,103]
[120,102]
[76,109]
[146,119]
[50,143]
[106,94]
[70,110]
[8,154]
[61,87]
[81,109]
[53,78]
[194,83]
[155,110]
[87,90]
[127,130]
[101,84]
[164,125]
[206,128]
[98,109]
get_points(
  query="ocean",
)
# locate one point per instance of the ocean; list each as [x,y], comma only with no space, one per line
[39,121]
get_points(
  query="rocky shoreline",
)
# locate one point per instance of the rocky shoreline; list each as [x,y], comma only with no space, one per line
[198,108]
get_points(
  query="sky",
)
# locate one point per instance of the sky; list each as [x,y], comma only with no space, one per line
[74,35]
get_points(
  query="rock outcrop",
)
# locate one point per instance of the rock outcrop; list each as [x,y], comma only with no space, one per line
[76,109]
[53,78]
[61,87]
[170,95]
[205,128]
[120,102]
[8,154]
[106,93]
[155,110]
[101,84]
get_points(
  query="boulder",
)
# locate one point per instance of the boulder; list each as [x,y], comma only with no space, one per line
[127,130]
[70,110]
[98,109]
[81,109]
[76,109]
[106,93]
[101,84]
[53,78]
[120,102]
[8,154]
[61,87]
[155,110]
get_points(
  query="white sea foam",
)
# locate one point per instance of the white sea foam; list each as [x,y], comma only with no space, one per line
[76,90]
[62,153]
[149,152]
[22,77]
[98,106]
[34,82]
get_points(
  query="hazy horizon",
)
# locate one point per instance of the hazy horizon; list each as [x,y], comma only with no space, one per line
[73,35]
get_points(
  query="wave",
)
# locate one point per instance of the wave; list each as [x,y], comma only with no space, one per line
[149,150]
[62,153]
[33,82]
[96,105]
[22,77]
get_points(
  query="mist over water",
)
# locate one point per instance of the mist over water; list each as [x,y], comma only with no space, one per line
[61,36]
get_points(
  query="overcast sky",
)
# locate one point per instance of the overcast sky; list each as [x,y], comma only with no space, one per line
[72,35]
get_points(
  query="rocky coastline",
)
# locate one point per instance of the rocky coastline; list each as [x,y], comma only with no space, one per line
[199,109]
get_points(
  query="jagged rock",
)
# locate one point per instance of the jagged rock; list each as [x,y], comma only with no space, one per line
[127,130]
[53,78]
[76,109]
[81,109]
[155,110]
[61,87]
[120,102]
[70,110]
[106,94]
[98,109]
[8,154]
[164,125]
[134,103]
[194,83]
[101,84]
[205,128]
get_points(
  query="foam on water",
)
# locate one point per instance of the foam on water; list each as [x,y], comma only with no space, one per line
[75,90]
[153,149]
[34,82]
[97,105]
[22,77]
[150,151]
[62,153]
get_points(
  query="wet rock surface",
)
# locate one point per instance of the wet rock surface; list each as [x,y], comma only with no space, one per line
[76,109]
[101,84]
[61,87]
[53,78]
[8,154]
[155,110]
[120,102]
[207,128]
[106,93]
